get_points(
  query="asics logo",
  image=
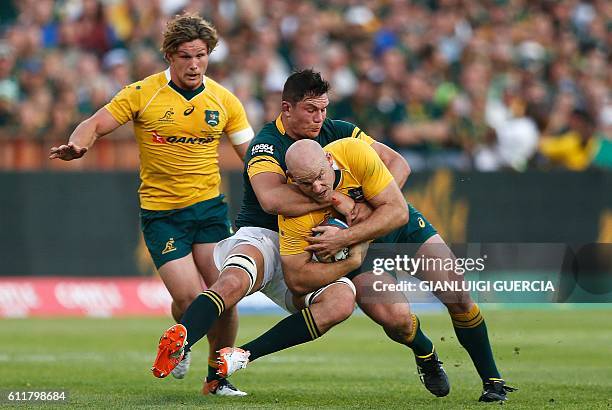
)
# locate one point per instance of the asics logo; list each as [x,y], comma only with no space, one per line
[188,110]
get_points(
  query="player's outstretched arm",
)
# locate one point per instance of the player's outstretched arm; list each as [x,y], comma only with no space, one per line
[303,275]
[84,136]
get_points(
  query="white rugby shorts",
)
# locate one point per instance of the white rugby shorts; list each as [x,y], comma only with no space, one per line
[266,241]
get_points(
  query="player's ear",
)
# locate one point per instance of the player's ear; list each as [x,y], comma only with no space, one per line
[329,158]
[286,107]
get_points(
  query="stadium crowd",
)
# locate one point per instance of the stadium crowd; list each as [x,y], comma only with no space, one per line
[488,85]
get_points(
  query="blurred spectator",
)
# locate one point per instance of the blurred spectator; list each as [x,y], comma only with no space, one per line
[94,31]
[117,63]
[9,87]
[362,108]
[419,128]
[448,83]
[603,152]
[339,73]
[516,131]
[575,148]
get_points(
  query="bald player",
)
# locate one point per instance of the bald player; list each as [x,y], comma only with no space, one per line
[344,165]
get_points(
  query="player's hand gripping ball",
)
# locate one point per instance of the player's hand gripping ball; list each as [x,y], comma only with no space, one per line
[340,255]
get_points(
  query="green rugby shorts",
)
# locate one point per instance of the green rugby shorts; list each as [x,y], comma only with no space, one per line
[170,235]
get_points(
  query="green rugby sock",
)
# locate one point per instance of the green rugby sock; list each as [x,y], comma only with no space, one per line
[417,341]
[291,331]
[201,315]
[471,332]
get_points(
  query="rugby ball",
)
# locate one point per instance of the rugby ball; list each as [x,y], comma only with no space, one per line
[343,253]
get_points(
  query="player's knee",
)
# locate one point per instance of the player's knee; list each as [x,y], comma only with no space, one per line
[340,302]
[398,320]
[231,285]
[345,307]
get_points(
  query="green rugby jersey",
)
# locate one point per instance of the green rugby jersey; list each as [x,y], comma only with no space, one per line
[266,153]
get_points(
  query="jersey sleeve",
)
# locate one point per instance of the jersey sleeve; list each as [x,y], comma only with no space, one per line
[360,135]
[125,105]
[292,234]
[263,163]
[263,156]
[237,128]
[365,164]
[346,129]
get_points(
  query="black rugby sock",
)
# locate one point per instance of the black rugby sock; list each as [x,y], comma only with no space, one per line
[291,331]
[201,315]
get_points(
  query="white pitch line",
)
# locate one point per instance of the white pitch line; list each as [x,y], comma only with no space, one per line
[75,357]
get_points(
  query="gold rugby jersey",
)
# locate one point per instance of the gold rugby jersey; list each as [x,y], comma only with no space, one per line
[360,174]
[178,132]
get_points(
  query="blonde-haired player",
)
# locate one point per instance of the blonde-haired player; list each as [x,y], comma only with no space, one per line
[179,116]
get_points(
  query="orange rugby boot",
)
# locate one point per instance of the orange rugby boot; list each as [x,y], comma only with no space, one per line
[170,350]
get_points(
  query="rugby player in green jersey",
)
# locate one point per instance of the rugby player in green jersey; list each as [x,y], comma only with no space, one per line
[250,260]
[179,116]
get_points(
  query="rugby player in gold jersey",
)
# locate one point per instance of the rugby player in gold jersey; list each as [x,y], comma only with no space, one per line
[179,116]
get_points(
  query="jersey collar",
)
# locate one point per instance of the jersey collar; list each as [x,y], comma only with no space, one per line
[279,125]
[337,173]
[188,94]
[337,177]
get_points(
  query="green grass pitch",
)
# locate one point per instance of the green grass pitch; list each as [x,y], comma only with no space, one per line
[559,359]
